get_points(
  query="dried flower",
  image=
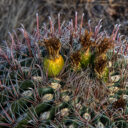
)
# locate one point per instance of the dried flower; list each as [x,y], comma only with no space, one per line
[75,60]
[54,63]
[53,46]
[104,46]
[120,103]
[85,40]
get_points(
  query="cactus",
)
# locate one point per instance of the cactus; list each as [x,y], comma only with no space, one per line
[46,81]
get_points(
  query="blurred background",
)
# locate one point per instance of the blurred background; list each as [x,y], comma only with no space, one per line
[13,13]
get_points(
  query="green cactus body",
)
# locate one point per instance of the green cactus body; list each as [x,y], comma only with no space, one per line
[3,98]
[53,66]
[26,84]
[18,105]
[47,90]
[40,108]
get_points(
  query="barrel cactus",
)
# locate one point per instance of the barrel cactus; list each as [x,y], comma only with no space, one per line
[33,92]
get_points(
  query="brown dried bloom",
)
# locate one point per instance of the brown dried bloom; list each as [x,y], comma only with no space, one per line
[100,63]
[120,103]
[75,58]
[105,45]
[85,39]
[53,46]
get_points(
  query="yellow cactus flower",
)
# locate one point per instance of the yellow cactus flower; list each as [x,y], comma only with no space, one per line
[54,62]
[53,66]
[86,43]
